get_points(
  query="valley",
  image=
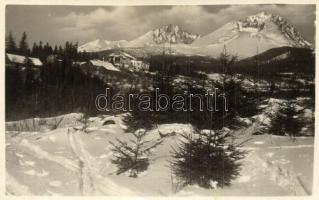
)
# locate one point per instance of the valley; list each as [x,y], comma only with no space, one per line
[131,117]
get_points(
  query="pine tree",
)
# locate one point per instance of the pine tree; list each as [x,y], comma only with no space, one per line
[11,46]
[55,50]
[23,45]
[35,50]
[208,159]
[29,81]
[133,156]
[227,61]
[60,51]
[240,103]
[286,121]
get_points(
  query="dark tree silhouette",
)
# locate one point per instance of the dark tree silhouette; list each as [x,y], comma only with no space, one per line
[11,46]
[23,45]
[133,156]
[208,159]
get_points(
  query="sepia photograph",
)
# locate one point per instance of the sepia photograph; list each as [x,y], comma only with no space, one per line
[208,100]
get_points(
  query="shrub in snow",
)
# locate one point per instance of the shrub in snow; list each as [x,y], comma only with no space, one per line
[286,121]
[132,157]
[208,159]
[84,120]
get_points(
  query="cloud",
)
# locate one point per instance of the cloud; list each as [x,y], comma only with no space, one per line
[129,22]
[83,21]
[99,22]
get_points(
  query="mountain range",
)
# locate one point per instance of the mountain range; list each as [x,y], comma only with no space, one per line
[244,38]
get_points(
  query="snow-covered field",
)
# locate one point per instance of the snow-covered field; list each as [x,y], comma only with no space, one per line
[66,161]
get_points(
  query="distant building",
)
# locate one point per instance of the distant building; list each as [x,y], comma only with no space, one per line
[138,65]
[106,65]
[98,67]
[17,60]
[120,58]
[126,61]
[105,71]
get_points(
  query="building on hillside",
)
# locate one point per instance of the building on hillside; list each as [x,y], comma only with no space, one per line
[138,65]
[126,61]
[18,64]
[120,59]
[105,71]
[13,60]
[106,65]
[98,67]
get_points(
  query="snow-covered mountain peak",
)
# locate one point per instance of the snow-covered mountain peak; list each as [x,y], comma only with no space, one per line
[174,34]
[262,31]
[259,17]
[254,22]
[268,23]
[99,45]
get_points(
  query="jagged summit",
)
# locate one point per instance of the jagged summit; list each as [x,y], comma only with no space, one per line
[262,31]
[170,33]
[264,20]
[173,34]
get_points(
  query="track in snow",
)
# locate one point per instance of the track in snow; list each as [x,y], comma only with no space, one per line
[91,181]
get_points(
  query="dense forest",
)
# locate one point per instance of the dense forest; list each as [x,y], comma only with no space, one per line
[57,87]
[45,51]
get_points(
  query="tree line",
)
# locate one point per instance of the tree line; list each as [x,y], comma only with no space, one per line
[43,50]
[58,86]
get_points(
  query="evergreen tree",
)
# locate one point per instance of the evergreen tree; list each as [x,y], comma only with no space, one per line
[286,121]
[23,45]
[208,159]
[55,50]
[133,156]
[227,61]
[11,46]
[35,50]
[60,51]
[48,49]
[29,81]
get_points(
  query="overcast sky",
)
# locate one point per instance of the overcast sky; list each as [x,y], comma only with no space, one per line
[57,24]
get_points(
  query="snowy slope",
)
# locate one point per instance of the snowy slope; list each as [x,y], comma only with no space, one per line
[99,45]
[144,40]
[251,36]
[69,162]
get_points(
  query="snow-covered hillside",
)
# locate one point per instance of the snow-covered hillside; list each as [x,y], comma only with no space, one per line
[41,160]
[251,36]
[99,45]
